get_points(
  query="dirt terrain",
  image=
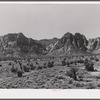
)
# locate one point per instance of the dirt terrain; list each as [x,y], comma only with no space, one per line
[58,76]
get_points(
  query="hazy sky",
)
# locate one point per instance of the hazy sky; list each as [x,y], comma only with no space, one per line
[40,21]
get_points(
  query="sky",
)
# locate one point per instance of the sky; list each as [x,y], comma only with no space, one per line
[39,21]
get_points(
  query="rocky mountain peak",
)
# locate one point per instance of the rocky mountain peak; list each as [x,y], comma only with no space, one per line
[67,38]
[81,41]
[20,35]
[15,44]
[71,43]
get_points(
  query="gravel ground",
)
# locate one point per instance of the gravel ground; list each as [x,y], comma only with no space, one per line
[50,78]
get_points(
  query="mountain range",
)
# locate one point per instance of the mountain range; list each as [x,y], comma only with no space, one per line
[18,45]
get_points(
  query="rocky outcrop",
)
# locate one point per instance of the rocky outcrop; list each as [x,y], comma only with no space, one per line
[70,44]
[17,45]
[67,39]
[94,45]
[81,41]
[49,43]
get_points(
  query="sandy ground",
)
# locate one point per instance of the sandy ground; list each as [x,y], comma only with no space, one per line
[50,78]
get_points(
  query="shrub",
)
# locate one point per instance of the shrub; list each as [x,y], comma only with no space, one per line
[0,65]
[90,86]
[81,61]
[91,58]
[26,69]
[72,73]
[89,66]
[75,62]
[63,63]
[82,56]
[98,85]
[70,82]
[78,84]
[14,70]
[64,58]
[60,77]
[50,64]
[67,63]
[71,62]
[9,63]
[31,67]
[39,68]
[96,59]
[36,63]
[44,65]
[15,61]
[19,73]
[86,61]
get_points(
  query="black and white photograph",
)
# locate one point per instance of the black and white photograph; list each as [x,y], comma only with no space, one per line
[49,46]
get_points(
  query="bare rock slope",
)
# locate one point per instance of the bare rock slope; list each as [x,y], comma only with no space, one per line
[18,45]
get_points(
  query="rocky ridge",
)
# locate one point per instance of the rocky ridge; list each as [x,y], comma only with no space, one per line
[18,45]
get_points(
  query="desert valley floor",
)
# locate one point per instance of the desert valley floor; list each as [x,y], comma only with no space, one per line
[51,73]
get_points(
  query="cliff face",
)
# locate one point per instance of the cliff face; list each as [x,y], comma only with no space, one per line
[81,41]
[49,43]
[94,45]
[70,44]
[17,45]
